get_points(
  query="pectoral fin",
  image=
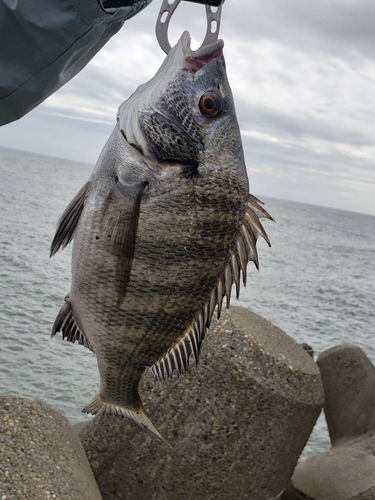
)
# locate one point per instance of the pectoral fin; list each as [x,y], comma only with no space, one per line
[68,221]
[124,204]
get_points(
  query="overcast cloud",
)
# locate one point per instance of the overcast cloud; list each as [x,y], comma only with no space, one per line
[303,78]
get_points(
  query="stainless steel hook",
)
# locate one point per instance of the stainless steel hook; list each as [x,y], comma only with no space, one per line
[166,11]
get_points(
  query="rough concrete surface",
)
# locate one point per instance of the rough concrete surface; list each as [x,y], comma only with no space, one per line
[342,473]
[237,425]
[347,472]
[364,443]
[349,384]
[40,456]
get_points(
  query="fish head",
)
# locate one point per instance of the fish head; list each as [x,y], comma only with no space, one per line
[185,113]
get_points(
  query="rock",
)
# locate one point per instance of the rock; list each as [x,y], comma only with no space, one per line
[342,473]
[78,427]
[364,443]
[349,384]
[347,472]
[237,424]
[40,456]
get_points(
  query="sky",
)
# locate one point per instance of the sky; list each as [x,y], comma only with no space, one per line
[303,78]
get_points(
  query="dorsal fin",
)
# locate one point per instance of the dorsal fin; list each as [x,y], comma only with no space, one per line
[66,324]
[177,358]
[68,221]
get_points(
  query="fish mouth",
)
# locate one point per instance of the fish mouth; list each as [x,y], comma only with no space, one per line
[195,60]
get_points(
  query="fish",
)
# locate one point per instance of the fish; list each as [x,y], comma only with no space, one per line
[162,230]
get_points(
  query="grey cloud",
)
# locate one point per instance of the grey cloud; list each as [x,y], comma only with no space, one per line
[106,89]
[338,27]
[280,124]
[304,175]
[40,132]
[304,158]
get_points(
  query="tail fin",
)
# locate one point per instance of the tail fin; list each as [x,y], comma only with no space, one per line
[98,405]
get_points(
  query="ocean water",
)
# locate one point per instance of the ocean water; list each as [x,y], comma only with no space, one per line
[316,283]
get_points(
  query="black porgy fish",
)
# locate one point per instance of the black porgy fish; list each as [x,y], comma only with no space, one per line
[162,229]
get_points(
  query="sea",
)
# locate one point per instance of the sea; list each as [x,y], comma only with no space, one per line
[316,283]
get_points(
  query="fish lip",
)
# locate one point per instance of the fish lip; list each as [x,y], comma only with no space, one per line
[201,56]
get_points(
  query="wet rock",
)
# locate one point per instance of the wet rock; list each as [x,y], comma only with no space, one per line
[347,472]
[237,424]
[40,456]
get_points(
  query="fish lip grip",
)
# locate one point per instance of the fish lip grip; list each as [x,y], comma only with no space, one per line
[212,3]
[213,21]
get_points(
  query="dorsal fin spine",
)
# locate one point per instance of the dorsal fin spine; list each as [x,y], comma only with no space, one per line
[250,243]
[212,304]
[242,258]
[194,346]
[170,367]
[201,326]
[164,368]
[236,273]
[205,315]
[219,297]
[176,362]
[228,283]
[186,351]
[180,357]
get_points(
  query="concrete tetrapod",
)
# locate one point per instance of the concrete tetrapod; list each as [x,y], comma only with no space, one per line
[41,458]
[342,473]
[349,384]
[347,472]
[237,424]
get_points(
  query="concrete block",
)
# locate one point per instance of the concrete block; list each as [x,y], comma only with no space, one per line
[40,456]
[349,385]
[237,425]
[347,472]
[342,473]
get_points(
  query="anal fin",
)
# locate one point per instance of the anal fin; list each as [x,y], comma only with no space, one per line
[66,324]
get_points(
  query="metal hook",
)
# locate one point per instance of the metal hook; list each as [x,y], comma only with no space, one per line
[166,11]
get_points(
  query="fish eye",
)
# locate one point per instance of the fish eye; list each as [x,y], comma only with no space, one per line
[211,104]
